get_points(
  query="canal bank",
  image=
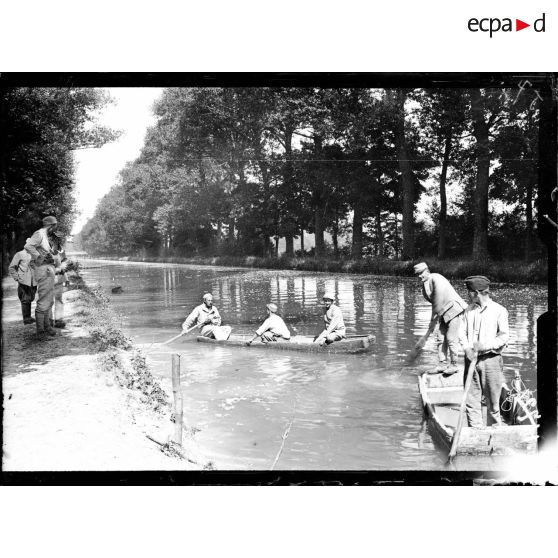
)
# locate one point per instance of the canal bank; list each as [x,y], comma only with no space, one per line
[83,400]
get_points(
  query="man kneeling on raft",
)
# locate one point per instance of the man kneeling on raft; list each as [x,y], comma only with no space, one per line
[208,318]
[273,329]
[334,324]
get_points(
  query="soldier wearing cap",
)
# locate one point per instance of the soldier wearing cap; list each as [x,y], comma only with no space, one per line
[42,261]
[21,271]
[208,318]
[447,306]
[334,324]
[484,334]
[273,328]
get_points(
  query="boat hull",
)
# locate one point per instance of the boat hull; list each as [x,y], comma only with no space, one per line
[299,343]
[441,398]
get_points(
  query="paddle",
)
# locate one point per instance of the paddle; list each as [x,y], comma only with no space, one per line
[421,342]
[181,334]
[455,440]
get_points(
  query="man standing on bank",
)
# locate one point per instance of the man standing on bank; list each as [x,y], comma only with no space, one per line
[334,324]
[21,271]
[273,329]
[484,333]
[447,306]
[60,280]
[42,260]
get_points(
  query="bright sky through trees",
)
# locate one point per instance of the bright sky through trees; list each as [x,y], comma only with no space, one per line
[97,169]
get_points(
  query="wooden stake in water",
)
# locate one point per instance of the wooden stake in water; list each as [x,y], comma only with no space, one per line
[177,392]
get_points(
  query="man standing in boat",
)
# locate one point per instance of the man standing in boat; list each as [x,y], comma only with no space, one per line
[484,334]
[334,325]
[273,329]
[447,306]
[207,317]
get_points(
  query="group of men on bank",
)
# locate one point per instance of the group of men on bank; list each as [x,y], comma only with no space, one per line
[480,328]
[39,270]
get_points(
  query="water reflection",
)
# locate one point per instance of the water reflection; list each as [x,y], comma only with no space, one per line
[347,412]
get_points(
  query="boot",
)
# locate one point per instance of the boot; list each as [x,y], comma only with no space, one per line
[40,323]
[26,313]
[49,330]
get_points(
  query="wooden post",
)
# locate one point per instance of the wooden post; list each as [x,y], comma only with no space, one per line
[177,392]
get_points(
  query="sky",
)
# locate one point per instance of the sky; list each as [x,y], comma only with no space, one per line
[97,169]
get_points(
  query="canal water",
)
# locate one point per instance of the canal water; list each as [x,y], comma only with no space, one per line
[312,411]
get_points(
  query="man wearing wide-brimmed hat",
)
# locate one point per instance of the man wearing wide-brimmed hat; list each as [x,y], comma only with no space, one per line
[42,260]
[484,334]
[447,306]
[273,328]
[333,320]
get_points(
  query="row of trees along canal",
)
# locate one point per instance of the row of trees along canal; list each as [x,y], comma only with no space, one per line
[39,130]
[226,170]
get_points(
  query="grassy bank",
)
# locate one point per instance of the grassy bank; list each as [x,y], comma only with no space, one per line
[499,272]
[122,362]
[116,353]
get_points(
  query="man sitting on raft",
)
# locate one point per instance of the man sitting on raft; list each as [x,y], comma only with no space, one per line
[208,318]
[273,329]
[334,325]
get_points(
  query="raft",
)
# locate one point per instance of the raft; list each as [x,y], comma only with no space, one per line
[302,343]
[441,398]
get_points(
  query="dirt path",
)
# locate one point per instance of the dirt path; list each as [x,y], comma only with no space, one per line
[61,412]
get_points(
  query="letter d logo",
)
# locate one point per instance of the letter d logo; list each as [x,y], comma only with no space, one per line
[539,24]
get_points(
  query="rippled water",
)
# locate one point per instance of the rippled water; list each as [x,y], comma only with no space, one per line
[344,411]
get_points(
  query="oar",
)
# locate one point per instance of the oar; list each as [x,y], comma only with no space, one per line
[455,441]
[181,334]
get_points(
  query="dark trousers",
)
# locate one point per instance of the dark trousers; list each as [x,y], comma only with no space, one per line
[26,296]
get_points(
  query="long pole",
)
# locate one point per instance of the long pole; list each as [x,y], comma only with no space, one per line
[457,434]
[177,392]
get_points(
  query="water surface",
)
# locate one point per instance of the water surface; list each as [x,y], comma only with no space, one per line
[342,412]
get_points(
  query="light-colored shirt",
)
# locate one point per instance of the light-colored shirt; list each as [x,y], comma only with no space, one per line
[38,245]
[200,314]
[333,318]
[19,269]
[276,325]
[488,325]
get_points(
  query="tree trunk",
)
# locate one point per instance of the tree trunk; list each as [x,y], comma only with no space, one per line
[288,187]
[379,233]
[230,235]
[480,131]
[319,204]
[356,248]
[396,236]
[335,237]
[319,232]
[443,197]
[289,245]
[302,241]
[529,219]
[407,183]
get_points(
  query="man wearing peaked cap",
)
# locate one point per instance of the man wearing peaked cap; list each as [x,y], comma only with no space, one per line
[333,320]
[42,252]
[273,329]
[447,306]
[484,335]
